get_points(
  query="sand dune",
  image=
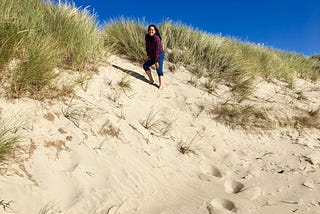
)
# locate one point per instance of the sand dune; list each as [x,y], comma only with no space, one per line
[114,150]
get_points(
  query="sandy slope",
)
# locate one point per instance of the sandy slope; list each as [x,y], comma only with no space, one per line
[102,160]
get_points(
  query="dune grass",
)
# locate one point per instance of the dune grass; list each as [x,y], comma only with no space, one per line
[191,146]
[152,121]
[219,58]
[215,60]
[8,138]
[40,36]
[43,35]
[125,83]
[246,116]
[125,37]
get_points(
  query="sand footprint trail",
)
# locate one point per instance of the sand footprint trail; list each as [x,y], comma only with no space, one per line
[211,173]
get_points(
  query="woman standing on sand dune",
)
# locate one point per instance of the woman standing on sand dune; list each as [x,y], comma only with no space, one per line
[155,54]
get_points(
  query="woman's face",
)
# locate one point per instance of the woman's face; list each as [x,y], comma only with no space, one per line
[151,31]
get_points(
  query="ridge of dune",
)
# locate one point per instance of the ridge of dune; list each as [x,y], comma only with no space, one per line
[93,153]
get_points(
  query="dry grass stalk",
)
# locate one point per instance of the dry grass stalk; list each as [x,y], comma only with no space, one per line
[247,117]
[151,122]
[190,147]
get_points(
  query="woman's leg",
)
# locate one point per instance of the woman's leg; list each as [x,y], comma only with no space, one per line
[150,76]
[160,70]
[146,67]
[160,82]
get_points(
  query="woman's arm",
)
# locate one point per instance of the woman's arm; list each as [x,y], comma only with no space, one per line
[158,48]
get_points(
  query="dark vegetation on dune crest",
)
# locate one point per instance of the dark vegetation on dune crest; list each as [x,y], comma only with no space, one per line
[37,38]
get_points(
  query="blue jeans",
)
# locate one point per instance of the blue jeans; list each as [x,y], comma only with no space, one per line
[147,64]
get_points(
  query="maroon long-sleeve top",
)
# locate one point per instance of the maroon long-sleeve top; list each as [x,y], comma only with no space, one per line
[154,47]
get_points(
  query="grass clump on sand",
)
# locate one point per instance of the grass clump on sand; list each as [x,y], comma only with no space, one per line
[39,36]
[8,138]
[247,116]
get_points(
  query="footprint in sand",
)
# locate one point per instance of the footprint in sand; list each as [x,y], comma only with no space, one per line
[209,173]
[221,206]
[233,187]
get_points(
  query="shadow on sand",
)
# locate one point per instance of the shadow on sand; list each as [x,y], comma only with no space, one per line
[134,74]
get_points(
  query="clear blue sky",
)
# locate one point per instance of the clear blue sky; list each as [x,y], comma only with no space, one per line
[288,25]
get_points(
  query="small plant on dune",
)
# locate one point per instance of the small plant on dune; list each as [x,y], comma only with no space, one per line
[8,139]
[190,147]
[210,85]
[74,113]
[6,144]
[125,83]
[151,122]
[48,208]
[161,126]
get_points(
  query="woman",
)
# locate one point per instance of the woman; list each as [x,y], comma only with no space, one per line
[155,54]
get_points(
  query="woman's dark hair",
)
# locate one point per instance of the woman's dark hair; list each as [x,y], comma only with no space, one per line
[156,29]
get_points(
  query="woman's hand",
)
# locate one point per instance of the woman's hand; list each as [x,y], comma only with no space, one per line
[157,65]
